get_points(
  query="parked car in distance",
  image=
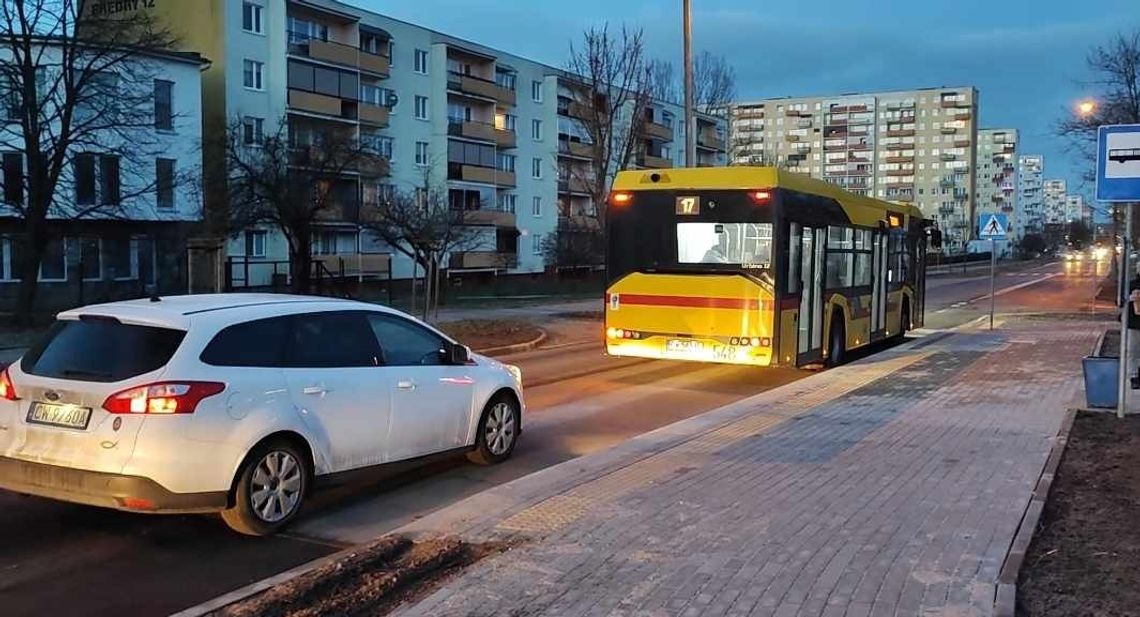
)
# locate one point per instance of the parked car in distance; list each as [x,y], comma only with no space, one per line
[241,404]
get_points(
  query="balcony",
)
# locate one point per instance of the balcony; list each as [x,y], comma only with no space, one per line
[900,146]
[316,103]
[795,113]
[962,115]
[482,131]
[575,149]
[483,175]
[498,218]
[483,260]
[953,103]
[654,162]
[899,106]
[709,139]
[660,132]
[947,156]
[375,63]
[792,139]
[480,88]
[899,158]
[900,172]
[961,143]
[755,113]
[573,185]
[948,130]
[373,114]
[573,109]
[859,147]
[900,132]
[374,166]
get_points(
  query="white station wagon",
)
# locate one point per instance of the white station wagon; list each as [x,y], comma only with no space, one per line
[241,403]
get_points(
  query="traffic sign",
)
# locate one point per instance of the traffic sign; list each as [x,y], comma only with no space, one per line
[1118,163]
[992,226]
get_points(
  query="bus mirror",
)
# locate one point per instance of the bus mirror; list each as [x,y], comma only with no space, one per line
[935,236]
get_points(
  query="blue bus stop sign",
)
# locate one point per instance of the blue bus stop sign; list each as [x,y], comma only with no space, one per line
[1118,163]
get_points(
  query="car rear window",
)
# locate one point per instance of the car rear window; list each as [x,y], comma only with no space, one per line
[102,350]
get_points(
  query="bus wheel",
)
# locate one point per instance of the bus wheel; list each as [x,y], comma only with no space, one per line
[837,348]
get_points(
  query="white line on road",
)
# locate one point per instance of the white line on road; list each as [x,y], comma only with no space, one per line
[1005,290]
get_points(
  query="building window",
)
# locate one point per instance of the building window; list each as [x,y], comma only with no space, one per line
[536,91]
[121,264]
[251,17]
[163,105]
[253,131]
[54,264]
[507,202]
[109,180]
[90,258]
[536,169]
[506,162]
[421,108]
[422,153]
[255,243]
[13,178]
[83,168]
[536,244]
[536,129]
[253,75]
[421,64]
[536,207]
[164,182]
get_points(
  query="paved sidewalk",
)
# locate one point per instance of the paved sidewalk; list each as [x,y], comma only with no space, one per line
[892,486]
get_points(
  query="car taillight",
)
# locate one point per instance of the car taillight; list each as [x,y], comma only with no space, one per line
[7,390]
[162,398]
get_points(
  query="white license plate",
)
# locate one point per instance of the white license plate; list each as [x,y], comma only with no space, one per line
[684,346]
[67,416]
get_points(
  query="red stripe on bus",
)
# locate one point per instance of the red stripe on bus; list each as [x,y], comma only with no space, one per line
[691,302]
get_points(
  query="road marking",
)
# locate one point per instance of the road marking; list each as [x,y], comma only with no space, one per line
[1003,291]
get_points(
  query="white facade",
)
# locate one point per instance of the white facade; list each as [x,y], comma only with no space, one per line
[1056,206]
[125,192]
[997,179]
[1031,193]
[915,146]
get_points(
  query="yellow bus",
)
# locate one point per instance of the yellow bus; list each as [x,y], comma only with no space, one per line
[757,266]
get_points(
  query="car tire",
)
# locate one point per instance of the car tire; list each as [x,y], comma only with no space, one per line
[498,431]
[270,489]
[837,346]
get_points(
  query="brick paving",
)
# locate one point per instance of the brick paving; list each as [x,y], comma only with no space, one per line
[893,486]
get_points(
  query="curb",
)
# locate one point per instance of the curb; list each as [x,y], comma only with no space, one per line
[516,348]
[626,453]
[1005,599]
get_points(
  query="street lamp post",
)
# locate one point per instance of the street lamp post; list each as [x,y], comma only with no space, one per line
[690,119]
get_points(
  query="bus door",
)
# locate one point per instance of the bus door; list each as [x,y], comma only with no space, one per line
[813,245]
[918,313]
[879,289]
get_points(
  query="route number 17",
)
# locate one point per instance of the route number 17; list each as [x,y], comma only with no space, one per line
[688,206]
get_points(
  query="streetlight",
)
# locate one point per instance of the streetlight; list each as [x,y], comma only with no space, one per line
[690,120]
[1086,108]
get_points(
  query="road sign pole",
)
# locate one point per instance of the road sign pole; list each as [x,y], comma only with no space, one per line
[1125,309]
[993,279]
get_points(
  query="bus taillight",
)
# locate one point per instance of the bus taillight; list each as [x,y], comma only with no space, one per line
[760,198]
[621,198]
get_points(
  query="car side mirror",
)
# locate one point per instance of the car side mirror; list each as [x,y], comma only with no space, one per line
[456,354]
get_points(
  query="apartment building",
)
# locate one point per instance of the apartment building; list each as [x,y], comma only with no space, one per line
[996,166]
[126,199]
[1056,201]
[502,133]
[916,146]
[1076,209]
[1030,194]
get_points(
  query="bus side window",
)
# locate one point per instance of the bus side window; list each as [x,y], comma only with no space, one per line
[795,247]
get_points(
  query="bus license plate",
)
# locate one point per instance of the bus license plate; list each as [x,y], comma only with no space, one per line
[67,416]
[684,346]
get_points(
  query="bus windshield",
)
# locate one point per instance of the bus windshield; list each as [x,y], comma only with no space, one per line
[748,245]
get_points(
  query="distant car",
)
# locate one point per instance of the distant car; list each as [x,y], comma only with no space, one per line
[241,403]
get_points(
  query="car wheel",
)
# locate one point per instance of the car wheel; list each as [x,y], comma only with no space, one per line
[498,432]
[271,488]
[837,348]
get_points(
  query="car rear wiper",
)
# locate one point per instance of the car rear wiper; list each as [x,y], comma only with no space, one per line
[75,372]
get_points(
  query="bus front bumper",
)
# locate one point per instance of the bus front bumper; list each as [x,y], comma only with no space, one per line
[691,350]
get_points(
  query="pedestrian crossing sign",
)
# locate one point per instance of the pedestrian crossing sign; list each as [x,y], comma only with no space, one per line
[992,226]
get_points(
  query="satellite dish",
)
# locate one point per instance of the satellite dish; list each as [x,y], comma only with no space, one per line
[391,100]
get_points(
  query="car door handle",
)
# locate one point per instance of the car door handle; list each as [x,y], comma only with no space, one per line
[406,384]
[315,390]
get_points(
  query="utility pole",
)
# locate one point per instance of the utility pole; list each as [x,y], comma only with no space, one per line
[690,118]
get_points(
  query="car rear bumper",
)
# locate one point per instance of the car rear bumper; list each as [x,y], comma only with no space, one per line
[107,490]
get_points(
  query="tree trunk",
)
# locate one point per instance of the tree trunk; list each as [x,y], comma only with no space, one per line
[301,258]
[29,270]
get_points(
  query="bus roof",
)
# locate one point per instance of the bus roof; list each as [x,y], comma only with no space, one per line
[750,178]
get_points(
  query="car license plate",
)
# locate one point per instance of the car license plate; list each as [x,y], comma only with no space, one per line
[67,416]
[684,346]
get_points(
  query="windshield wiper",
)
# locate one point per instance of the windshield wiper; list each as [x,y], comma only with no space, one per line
[75,372]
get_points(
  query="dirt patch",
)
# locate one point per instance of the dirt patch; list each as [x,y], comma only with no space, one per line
[489,333]
[1085,556]
[372,581]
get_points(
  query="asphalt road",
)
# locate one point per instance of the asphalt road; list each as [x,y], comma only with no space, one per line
[63,559]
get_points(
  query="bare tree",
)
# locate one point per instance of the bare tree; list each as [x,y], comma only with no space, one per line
[663,82]
[714,83]
[422,224]
[575,244]
[611,78]
[75,84]
[294,187]
[1115,85]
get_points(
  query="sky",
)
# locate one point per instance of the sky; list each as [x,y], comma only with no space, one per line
[1026,57]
